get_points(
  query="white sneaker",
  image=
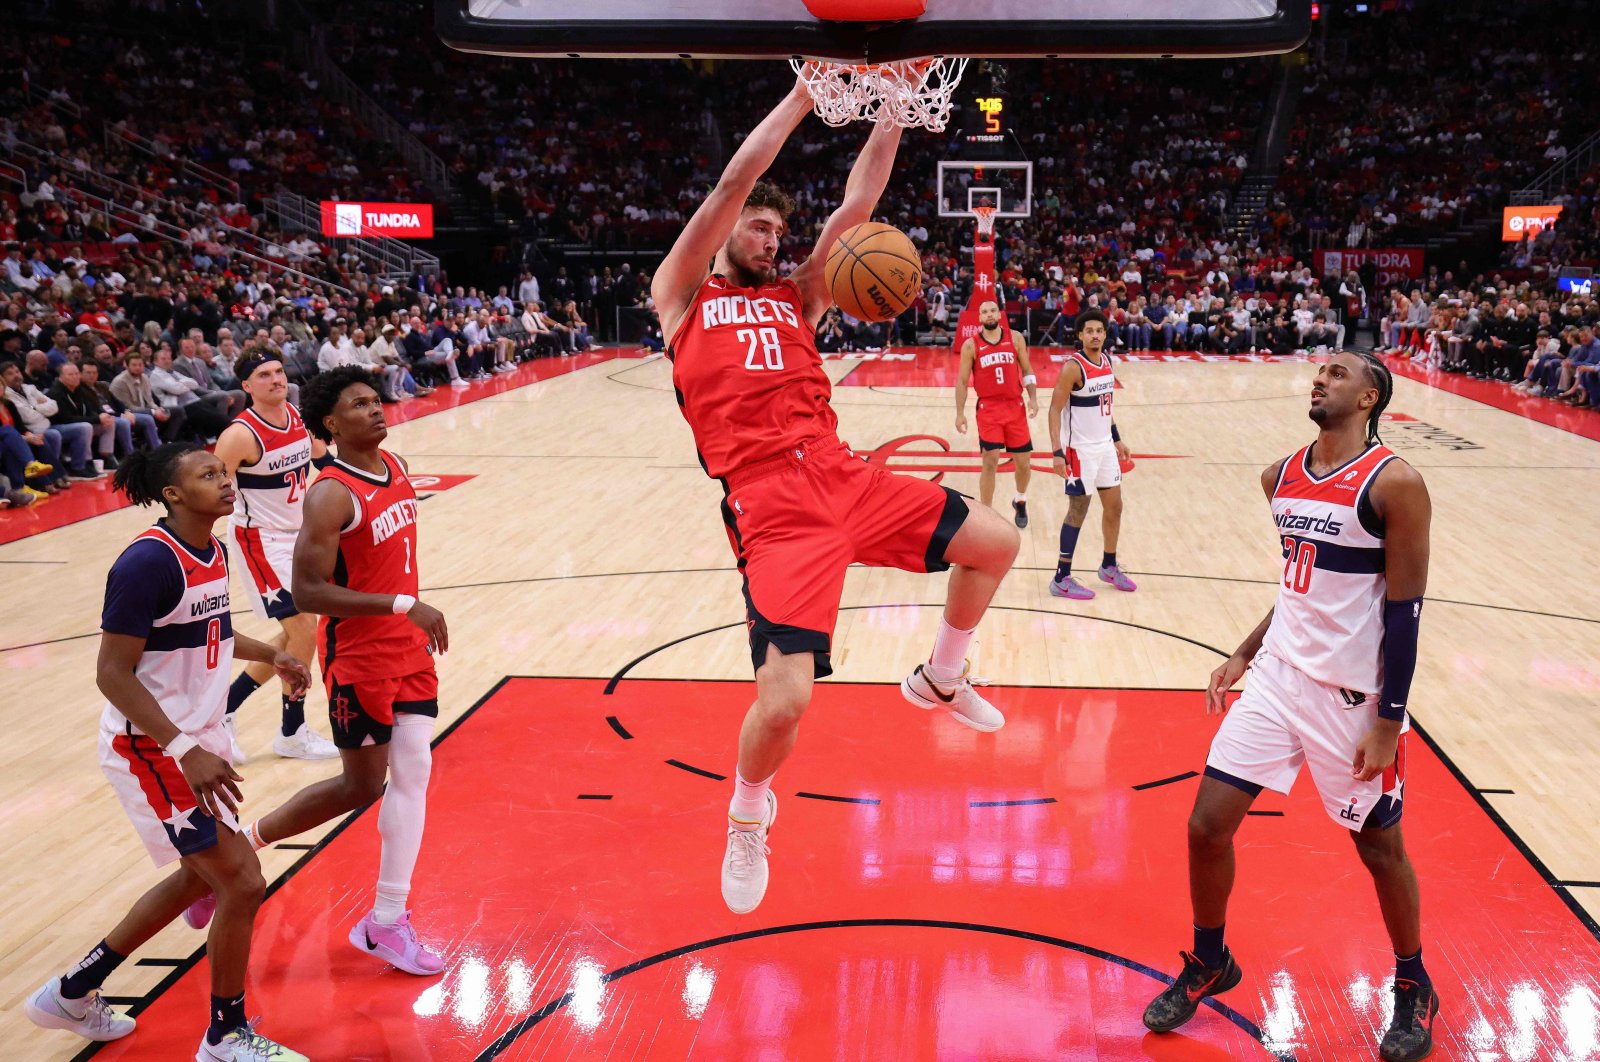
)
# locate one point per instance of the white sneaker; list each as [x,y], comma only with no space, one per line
[46,1009]
[304,744]
[459,383]
[236,753]
[744,864]
[245,1045]
[962,701]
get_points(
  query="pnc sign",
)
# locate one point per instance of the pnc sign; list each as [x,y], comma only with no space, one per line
[413,221]
[1520,221]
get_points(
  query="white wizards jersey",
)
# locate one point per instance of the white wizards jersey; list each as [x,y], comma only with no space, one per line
[272,491]
[176,599]
[1328,621]
[1086,422]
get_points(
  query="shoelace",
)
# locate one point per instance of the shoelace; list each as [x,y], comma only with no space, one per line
[100,1015]
[258,1045]
[745,844]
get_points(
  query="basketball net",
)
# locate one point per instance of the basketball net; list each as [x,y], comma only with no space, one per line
[914,93]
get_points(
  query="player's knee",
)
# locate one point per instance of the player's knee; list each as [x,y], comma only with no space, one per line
[1208,832]
[1077,509]
[243,885]
[1380,850]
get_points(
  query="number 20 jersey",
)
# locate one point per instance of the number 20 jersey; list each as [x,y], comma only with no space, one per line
[747,373]
[1328,621]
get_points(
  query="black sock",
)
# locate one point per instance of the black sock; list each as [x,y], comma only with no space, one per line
[227,1014]
[1108,560]
[1208,946]
[1410,969]
[1069,542]
[242,687]
[91,973]
[294,716]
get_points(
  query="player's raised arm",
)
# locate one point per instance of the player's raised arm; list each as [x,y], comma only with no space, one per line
[685,266]
[1030,382]
[868,178]
[969,354]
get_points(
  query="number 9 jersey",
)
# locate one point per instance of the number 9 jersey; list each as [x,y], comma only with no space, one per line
[747,373]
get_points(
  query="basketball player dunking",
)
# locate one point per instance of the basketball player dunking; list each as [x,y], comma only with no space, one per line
[355,564]
[1329,677]
[798,505]
[166,648]
[996,360]
[268,453]
[1087,451]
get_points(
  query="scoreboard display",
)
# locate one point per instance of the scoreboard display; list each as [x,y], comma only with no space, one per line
[986,120]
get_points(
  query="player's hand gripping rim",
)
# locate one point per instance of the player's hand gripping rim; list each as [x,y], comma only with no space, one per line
[213,781]
[431,622]
[1222,680]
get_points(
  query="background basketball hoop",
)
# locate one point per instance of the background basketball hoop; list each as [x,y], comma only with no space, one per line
[914,93]
[984,215]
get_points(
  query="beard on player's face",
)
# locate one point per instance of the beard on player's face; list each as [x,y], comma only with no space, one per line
[748,273]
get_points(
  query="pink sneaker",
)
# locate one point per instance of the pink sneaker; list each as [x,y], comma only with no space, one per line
[1114,575]
[198,914]
[1071,589]
[396,944]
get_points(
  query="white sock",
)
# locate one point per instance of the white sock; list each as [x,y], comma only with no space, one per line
[403,813]
[1021,499]
[949,660]
[252,833]
[749,804]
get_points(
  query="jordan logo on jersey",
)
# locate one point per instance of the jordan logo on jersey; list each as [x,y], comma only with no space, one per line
[741,309]
[397,517]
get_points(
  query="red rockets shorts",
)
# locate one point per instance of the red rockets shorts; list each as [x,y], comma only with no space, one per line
[1003,425]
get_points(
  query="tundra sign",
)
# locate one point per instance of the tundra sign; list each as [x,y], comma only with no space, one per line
[410,221]
[1396,265]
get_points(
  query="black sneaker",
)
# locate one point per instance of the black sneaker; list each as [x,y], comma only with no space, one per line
[1021,509]
[1182,998]
[109,462]
[86,474]
[1410,1035]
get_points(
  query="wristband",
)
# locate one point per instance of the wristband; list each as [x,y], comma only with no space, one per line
[180,746]
[1030,380]
[1059,453]
[1400,622]
[403,603]
[1116,436]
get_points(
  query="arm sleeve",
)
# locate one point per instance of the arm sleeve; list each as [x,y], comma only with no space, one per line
[1401,621]
[143,585]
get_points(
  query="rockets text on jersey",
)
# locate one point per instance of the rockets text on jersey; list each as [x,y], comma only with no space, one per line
[1328,621]
[747,373]
[377,555]
[996,376]
[272,490]
[1086,422]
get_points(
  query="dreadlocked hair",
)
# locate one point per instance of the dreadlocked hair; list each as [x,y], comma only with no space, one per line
[321,394]
[1383,380]
[144,474]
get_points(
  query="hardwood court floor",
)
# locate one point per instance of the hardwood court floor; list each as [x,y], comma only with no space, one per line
[587,538]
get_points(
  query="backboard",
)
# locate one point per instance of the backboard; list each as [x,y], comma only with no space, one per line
[783,29]
[1006,186]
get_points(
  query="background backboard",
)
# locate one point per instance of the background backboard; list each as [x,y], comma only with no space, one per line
[1006,186]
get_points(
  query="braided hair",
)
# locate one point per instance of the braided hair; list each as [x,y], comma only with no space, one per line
[1383,380]
[144,474]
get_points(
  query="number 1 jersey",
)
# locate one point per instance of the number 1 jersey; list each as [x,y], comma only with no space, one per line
[747,373]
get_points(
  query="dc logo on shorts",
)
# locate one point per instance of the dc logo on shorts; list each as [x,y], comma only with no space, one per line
[1350,812]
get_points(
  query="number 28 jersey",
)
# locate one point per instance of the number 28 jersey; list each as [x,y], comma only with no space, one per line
[748,376]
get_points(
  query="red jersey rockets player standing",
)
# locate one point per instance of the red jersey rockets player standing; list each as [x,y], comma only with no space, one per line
[799,507]
[996,361]
[355,564]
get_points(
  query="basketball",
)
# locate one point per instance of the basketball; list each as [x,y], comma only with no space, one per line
[874,272]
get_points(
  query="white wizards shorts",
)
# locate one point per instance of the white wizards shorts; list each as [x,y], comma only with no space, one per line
[1092,468]
[1286,718]
[158,801]
[264,556]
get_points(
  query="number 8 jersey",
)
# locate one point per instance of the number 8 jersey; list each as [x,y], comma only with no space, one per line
[1328,621]
[748,376]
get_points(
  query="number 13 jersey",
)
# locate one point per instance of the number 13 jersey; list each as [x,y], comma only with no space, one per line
[747,373]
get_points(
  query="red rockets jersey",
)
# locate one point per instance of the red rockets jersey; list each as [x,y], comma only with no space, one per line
[377,555]
[996,376]
[748,376]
